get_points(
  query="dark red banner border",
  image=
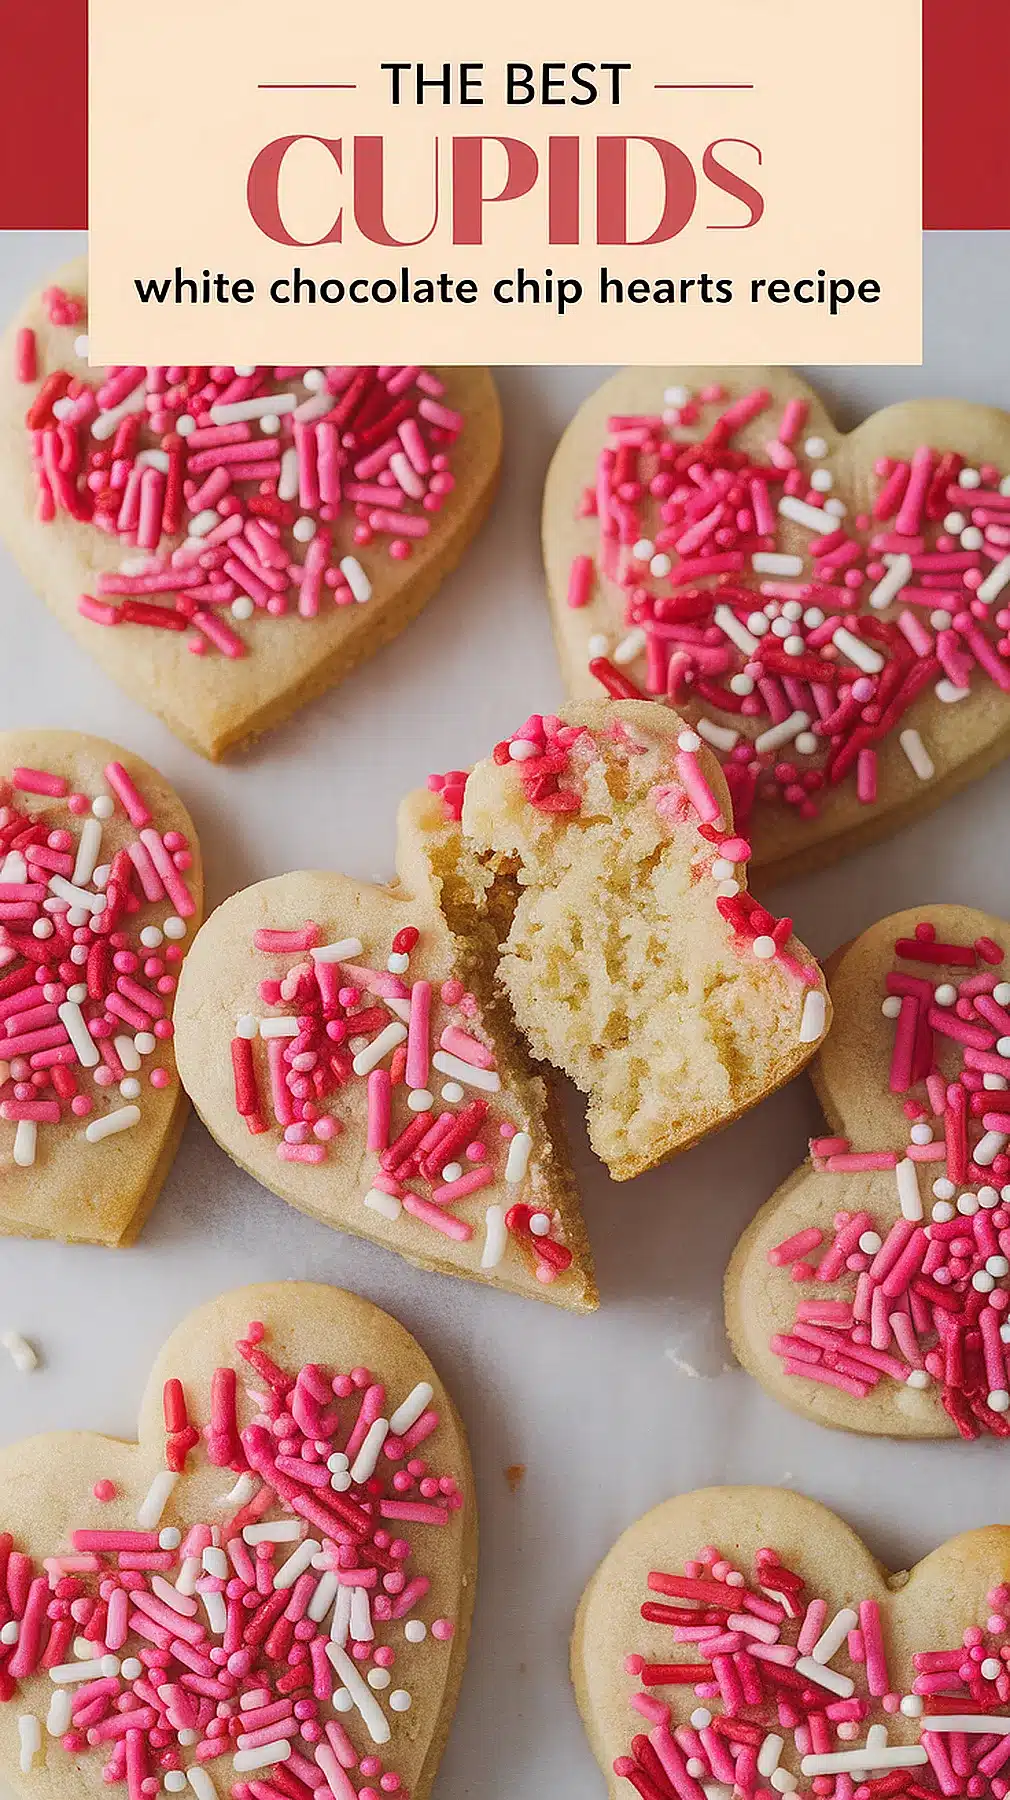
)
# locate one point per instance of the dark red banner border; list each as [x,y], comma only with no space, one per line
[966,158]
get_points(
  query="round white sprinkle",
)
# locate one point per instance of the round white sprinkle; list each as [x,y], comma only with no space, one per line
[836,508]
[130,1088]
[660,565]
[341,1483]
[741,684]
[805,743]
[131,1668]
[942,1212]
[174,927]
[722,868]
[81,346]
[110,1667]
[988,1197]
[187,1737]
[379,1678]
[540,1224]
[521,749]
[245,368]
[314,379]
[954,523]
[822,481]
[419,1099]
[102,806]
[972,538]
[151,937]
[982,1282]
[643,549]
[399,1700]
[1001,993]
[816,446]
[598,646]
[764,948]
[9,1632]
[701,1718]
[79,954]
[813,617]
[943,1189]
[270,424]
[185,425]
[794,646]
[169,1538]
[304,529]
[792,610]
[242,607]
[945,994]
[911,1706]
[695,1767]
[941,619]
[415,1631]
[999,1400]
[452,1171]
[967,1205]
[342,1700]
[452,1092]
[891,1006]
[992,1665]
[78,993]
[998,1266]
[969,478]
[870,1242]
[921,1134]
[337,1463]
[757,624]
[917,1378]
[43,928]
[689,741]
[398,962]
[175,1781]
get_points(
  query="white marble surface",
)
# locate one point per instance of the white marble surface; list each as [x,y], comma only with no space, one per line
[597,1409]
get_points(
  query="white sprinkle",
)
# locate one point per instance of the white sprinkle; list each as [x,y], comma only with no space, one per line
[371,1056]
[356,579]
[777,735]
[487,1079]
[369,1708]
[822,481]
[89,845]
[378,1678]
[275,1028]
[834,1634]
[105,424]
[764,948]
[598,645]
[296,1563]
[242,607]
[237,412]
[240,1495]
[415,1631]
[419,1099]
[25,1143]
[806,743]
[263,1757]
[273,1531]
[324,1596]
[995,581]
[174,927]
[816,447]
[842,1685]
[340,1624]
[344,950]
[997,1723]
[769,1753]
[988,1147]
[660,565]
[689,742]
[203,522]
[10,1632]
[888,1756]
[126,1052]
[58,1716]
[767,562]
[540,1224]
[909,1198]
[899,574]
[287,484]
[947,692]
[387,1205]
[362,1629]
[363,1466]
[971,538]
[517,1160]
[917,754]
[95,1668]
[629,647]
[410,1410]
[863,655]
[643,549]
[398,962]
[452,1092]
[495,1237]
[123,1119]
[801,514]
[721,737]
[77,896]
[303,530]
[30,1740]
[399,1700]
[813,1016]
[158,1494]
[731,627]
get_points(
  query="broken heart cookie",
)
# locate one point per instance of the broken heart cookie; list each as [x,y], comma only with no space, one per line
[269,1594]
[743,1641]
[828,610]
[633,957]
[228,543]
[872,1290]
[100,894]
[345,1044]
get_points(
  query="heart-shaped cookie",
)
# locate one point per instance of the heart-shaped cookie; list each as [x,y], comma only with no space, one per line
[100,894]
[269,1594]
[635,960]
[828,610]
[228,543]
[742,1641]
[345,1045]
[871,1291]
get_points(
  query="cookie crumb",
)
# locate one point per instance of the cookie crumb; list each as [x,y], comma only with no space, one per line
[515,1475]
[23,1356]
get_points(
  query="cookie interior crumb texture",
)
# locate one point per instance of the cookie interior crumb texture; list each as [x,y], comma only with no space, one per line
[618,965]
